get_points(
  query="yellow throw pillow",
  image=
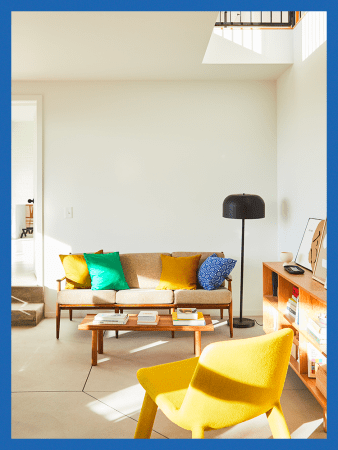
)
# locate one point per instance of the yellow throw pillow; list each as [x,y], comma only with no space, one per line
[77,273]
[179,273]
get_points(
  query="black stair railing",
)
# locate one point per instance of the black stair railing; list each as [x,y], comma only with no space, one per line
[260,19]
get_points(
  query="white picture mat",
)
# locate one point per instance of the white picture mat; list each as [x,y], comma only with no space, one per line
[302,257]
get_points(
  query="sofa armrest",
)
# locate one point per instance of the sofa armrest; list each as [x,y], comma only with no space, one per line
[229,279]
[59,284]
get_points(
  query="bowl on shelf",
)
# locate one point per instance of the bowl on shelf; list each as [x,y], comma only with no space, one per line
[286,258]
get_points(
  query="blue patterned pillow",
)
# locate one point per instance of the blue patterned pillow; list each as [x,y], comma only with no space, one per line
[213,271]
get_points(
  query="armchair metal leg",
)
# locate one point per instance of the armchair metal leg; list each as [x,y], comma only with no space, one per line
[58,317]
[277,423]
[146,419]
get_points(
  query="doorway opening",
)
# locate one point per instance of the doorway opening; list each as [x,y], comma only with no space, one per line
[26,210]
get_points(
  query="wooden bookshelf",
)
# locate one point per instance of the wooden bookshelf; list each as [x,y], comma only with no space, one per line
[312,301]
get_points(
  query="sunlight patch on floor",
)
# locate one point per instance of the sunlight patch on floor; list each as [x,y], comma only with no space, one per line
[129,400]
[221,324]
[305,430]
[145,347]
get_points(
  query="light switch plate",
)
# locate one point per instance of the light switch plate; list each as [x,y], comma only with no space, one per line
[69,212]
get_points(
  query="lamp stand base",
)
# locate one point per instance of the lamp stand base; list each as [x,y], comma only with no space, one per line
[244,323]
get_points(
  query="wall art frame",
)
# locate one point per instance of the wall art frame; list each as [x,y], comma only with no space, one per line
[320,270]
[309,246]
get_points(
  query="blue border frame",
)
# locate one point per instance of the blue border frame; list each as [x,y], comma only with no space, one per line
[5,186]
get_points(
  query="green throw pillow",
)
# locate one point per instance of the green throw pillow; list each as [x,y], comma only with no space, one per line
[106,271]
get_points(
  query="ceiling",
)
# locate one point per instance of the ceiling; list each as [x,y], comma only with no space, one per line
[111,45]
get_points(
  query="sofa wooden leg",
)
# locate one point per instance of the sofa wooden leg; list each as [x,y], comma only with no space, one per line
[121,310]
[231,321]
[117,310]
[117,334]
[172,310]
[58,314]
[70,314]
[173,334]
[221,312]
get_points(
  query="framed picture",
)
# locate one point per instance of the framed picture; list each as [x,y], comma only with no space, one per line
[319,273]
[309,246]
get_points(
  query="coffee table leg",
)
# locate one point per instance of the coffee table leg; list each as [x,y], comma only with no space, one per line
[197,343]
[100,341]
[94,347]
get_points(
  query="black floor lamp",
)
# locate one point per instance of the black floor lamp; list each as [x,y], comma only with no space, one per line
[243,206]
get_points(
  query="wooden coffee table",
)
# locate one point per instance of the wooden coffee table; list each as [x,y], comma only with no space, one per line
[165,324]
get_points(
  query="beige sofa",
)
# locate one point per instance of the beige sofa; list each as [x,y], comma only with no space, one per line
[142,272]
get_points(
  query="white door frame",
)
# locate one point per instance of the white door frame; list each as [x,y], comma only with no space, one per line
[38,188]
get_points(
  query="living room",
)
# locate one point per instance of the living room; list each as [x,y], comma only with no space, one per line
[144,139]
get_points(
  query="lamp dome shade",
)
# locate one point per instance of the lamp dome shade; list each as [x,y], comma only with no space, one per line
[243,206]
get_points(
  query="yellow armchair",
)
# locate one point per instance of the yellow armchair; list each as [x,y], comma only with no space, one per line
[231,382]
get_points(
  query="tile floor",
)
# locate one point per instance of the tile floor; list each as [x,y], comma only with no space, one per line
[56,393]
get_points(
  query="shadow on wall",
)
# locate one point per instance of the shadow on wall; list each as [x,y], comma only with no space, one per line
[285,210]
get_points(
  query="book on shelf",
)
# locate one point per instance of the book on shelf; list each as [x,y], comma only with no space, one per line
[322,319]
[291,311]
[293,302]
[187,313]
[292,306]
[319,331]
[314,359]
[294,351]
[319,340]
[274,284]
[200,321]
[295,291]
[320,327]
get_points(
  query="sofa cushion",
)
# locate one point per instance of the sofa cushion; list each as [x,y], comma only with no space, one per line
[199,296]
[179,273]
[204,256]
[144,297]
[86,297]
[214,271]
[106,271]
[142,270]
[76,270]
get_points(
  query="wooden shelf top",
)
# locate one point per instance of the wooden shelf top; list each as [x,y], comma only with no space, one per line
[304,281]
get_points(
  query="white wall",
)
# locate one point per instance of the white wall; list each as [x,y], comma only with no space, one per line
[146,167]
[301,134]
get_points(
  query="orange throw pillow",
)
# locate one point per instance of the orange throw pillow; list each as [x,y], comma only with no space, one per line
[179,273]
[77,273]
